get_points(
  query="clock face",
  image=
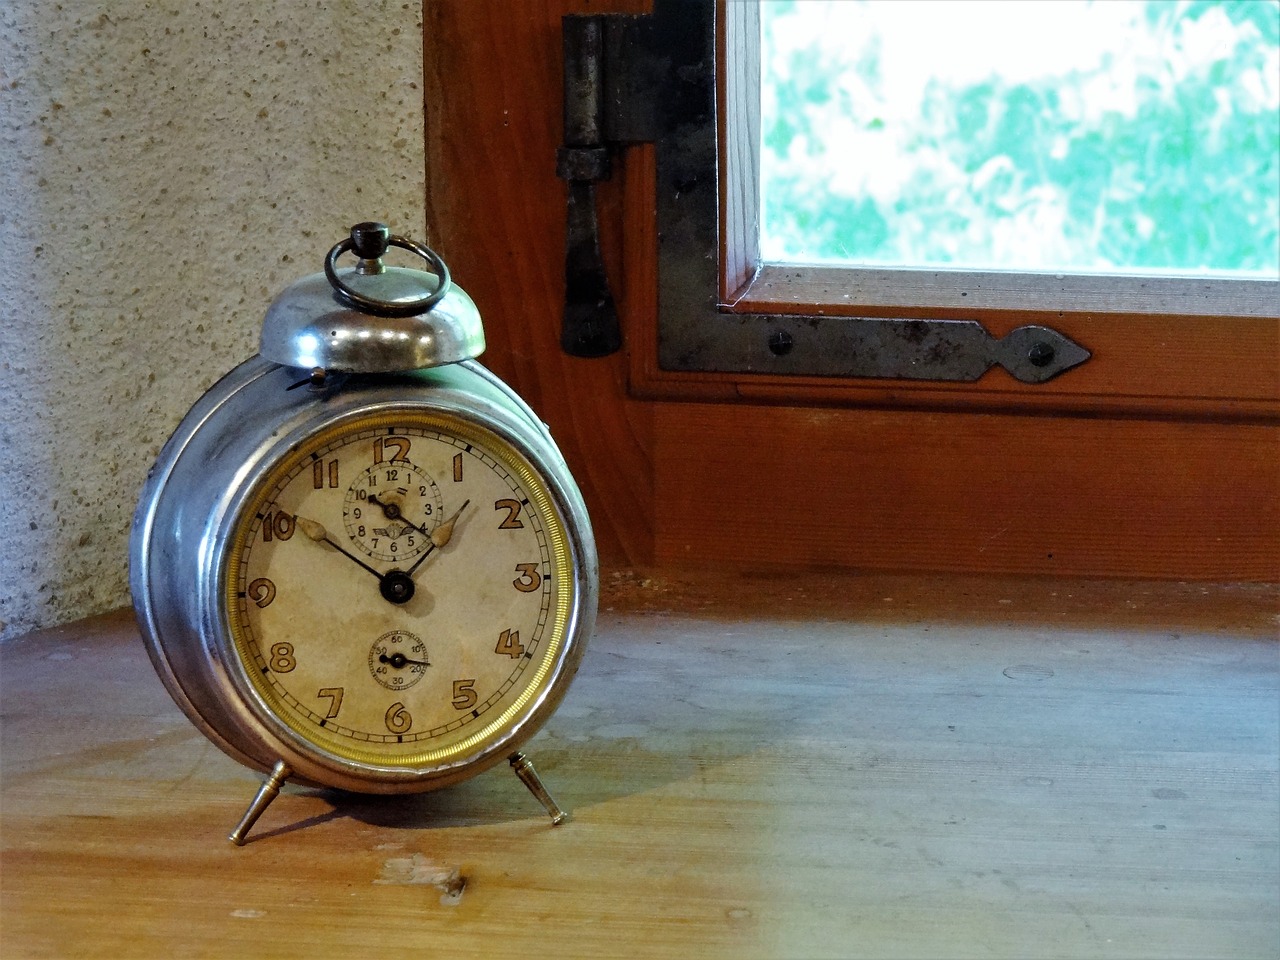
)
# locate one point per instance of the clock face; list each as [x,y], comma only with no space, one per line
[399,589]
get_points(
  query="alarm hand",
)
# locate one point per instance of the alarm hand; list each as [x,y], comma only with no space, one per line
[316,531]
[390,510]
[393,512]
[440,537]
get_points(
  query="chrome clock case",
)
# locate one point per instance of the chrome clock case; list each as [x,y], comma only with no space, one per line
[336,346]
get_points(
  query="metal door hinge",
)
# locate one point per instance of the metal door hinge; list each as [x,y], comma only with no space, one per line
[589,326]
[622,84]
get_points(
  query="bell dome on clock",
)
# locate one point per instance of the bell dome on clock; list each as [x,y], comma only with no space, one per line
[372,317]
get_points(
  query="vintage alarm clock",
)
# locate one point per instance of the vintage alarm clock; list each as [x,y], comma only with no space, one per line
[361,561]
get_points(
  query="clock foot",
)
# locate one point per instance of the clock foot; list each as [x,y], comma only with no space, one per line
[266,793]
[529,777]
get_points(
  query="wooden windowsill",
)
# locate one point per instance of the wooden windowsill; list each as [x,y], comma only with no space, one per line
[817,765]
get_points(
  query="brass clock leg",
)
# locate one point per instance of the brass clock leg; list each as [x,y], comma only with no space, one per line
[529,777]
[266,793]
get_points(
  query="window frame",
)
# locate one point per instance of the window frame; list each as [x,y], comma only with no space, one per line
[1162,346]
[767,473]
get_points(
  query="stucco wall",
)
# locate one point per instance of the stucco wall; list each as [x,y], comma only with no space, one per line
[166,168]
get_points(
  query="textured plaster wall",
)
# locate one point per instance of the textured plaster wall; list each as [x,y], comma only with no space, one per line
[166,168]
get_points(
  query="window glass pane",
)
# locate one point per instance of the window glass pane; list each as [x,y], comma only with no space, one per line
[1112,136]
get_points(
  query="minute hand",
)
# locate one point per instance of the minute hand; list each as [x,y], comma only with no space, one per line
[440,536]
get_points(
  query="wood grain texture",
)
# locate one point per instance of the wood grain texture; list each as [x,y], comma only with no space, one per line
[755,766]
[900,490]
[683,468]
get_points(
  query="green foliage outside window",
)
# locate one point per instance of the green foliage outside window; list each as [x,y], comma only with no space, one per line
[1161,155]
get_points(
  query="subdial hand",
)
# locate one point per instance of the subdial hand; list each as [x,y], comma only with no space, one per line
[440,536]
[399,661]
[390,510]
[395,586]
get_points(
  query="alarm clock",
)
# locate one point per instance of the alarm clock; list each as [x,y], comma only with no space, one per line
[361,561]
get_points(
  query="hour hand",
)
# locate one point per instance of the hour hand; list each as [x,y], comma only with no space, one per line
[314,530]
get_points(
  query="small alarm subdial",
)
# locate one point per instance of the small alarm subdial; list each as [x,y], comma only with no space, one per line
[398,660]
[390,510]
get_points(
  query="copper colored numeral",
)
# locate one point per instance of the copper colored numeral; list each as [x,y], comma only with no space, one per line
[529,579]
[512,520]
[509,643]
[262,591]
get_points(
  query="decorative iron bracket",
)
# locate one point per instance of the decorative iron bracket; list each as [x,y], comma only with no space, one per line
[651,78]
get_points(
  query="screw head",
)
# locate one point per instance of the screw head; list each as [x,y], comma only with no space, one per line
[396,587]
[1041,354]
[780,343]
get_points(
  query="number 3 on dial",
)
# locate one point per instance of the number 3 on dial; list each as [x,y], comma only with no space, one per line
[529,579]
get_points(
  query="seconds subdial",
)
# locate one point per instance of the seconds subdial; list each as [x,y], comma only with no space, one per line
[398,660]
[390,509]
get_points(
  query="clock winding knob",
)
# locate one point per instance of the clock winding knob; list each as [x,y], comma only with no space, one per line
[370,240]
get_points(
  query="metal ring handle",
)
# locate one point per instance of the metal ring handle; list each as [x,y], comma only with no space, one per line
[371,248]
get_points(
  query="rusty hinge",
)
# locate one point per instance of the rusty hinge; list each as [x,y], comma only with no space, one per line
[590,322]
[618,69]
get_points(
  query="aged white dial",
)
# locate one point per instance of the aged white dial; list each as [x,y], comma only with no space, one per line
[426,635]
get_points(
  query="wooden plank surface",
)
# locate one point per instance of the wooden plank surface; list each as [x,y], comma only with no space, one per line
[757,766]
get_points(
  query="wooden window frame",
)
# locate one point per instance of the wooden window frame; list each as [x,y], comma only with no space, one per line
[1165,347]
[769,472]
